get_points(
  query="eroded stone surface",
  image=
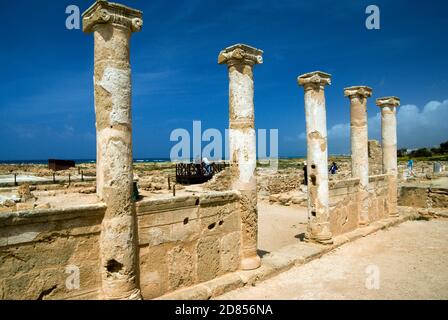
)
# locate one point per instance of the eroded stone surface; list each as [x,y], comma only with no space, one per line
[317,155]
[112,25]
[359,144]
[240,59]
[388,107]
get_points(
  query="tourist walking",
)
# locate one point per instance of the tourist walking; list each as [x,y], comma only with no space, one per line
[334,168]
[410,167]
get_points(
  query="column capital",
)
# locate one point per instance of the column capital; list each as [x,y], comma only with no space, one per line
[388,102]
[240,53]
[314,78]
[361,91]
[102,12]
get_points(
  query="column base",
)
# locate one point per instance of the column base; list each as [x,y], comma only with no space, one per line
[251,263]
[136,295]
[325,238]
[133,295]
[394,215]
[363,222]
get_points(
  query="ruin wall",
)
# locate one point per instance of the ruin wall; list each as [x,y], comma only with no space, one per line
[40,250]
[345,206]
[423,197]
[191,240]
[183,241]
[379,197]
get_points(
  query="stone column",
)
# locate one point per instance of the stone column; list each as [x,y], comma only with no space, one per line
[112,25]
[318,229]
[359,142]
[388,107]
[240,60]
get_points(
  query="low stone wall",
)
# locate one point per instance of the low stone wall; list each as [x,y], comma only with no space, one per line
[423,197]
[378,197]
[282,182]
[187,240]
[344,205]
[40,250]
[183,241]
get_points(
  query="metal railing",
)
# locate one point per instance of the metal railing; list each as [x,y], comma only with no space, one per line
[192,173]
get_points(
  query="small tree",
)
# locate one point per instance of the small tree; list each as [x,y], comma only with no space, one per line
[444,147]
[401,152]
[423,152]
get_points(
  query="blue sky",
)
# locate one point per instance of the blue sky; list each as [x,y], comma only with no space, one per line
[46,90]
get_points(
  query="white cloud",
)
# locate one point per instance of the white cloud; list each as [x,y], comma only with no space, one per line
[416,128]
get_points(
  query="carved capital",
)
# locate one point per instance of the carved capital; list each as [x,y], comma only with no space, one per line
[388,102]
[240,54]
[102,12]
[315,78]
[360,91]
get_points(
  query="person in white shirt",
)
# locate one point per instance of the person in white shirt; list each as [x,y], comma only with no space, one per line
[207,165]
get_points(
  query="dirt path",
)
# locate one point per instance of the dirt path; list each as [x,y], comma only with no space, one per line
[409,261]
[279,226]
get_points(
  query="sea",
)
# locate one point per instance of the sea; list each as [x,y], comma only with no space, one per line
[84,161]
[79,161]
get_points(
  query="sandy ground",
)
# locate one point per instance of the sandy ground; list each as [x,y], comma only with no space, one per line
[279,226]
[409,261]
[61,200]
[21,178]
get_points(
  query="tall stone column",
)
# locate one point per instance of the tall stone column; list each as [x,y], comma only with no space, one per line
[359,142]
[318,229]
[112,25]
[240,59]
[388,107]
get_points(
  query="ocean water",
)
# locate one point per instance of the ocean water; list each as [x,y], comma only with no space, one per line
[79,161]
[83,161]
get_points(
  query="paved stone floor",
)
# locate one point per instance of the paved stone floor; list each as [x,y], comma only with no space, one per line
[409,261]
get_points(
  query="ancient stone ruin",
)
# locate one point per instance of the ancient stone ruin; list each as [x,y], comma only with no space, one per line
[147,249]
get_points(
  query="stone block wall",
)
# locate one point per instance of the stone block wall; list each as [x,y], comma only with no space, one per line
[187,240]
[344,205]
[41,250]
[281,182]
[183,241]
[423,197]
[378,197]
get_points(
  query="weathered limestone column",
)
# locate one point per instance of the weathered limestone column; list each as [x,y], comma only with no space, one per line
[317,156]
[359,142]
[112,25]
[388,107]
[240,59]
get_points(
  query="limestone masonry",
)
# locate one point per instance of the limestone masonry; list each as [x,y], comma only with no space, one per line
[240,59]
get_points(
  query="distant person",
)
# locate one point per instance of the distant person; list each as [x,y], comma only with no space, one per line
[207,166]
[305,174]
[334,168]
[410,167]
[197,164]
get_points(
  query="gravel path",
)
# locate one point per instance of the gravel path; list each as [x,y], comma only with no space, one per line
[409,261]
